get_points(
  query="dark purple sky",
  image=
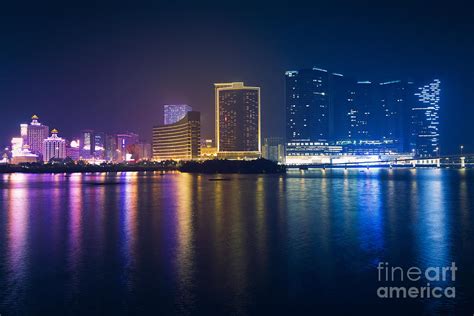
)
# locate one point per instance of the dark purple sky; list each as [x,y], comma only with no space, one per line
[111,66]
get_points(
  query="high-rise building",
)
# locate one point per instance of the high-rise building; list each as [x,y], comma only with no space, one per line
[111,149]
[363,117]
[124,143]
[340,95]
[237,120]
[307,105]
[35,134]
[54,147]
[395,99]
[24,133]
[87,144]
[360,113]
[178,141]
[424,140]
[99,145]
[273,148]
[175,112]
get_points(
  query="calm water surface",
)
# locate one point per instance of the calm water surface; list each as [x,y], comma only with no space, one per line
[306,242]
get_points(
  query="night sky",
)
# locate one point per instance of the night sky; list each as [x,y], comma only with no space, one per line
[111,66]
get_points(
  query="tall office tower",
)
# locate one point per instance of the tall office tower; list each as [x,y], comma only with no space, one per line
[35,134]
[178,141]
[175,112]
[111,148]
[395,100]
[237,120]
[361,105]
[273,148]
[87,144]
[99,145]
[54,147]
[340,96]
[124,143]
[307,105]
[425,120]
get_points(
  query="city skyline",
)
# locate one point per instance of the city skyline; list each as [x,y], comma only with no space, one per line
[134,76]
[390,123]
[236,158]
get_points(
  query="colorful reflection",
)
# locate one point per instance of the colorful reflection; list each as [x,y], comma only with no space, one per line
[17,239]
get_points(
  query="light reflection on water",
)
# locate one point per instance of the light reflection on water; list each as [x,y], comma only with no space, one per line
[179,243]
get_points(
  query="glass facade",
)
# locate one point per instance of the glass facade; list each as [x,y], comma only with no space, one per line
[307,105]
[425,120]
[360,114]
[175,112]
[395,99]
[331,108]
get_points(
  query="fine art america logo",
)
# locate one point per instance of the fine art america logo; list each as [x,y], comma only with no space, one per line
[431,282]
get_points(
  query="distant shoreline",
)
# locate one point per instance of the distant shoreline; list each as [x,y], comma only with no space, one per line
[258,166]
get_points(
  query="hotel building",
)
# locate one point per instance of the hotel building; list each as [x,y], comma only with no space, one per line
[178,141]
[54,147]
[35,134]
[238,121]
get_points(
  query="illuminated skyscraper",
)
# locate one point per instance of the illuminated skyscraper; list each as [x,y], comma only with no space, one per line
[175,112]
[178,141]
[390,117]
[340,96]
[99,145]
[395,99]
[307,105]
[54,147]
[87,144]
[237,120]
[111,149]
[425,120]
[360,113]
[35,134]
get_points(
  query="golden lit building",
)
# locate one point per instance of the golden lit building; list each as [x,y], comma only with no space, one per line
[208,149]
[178,141]
[237,121]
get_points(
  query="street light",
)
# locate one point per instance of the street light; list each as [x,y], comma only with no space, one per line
[462,147]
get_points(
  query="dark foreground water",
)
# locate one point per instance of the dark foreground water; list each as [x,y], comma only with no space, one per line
[146,243]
